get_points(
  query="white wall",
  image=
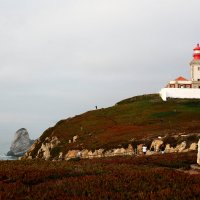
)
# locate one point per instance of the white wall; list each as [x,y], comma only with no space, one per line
[182,93]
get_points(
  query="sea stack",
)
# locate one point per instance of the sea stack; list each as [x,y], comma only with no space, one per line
[20,144]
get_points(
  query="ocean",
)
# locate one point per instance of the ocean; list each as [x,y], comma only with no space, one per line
[4,148]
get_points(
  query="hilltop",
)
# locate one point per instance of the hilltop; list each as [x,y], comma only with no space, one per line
[136,120]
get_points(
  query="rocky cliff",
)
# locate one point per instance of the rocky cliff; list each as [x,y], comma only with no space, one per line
[47,150]
[21,143]
[122,129]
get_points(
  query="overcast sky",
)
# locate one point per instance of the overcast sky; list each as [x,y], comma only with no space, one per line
[59,58]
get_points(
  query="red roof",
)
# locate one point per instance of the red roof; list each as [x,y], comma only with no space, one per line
[180,78]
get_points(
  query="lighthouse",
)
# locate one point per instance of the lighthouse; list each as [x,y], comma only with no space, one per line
[182,88]
[195,67]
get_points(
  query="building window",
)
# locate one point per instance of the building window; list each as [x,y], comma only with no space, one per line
[198,79]
[198,68]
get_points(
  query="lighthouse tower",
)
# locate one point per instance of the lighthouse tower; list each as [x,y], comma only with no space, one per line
[195,68]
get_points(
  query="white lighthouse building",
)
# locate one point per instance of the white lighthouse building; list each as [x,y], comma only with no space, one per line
[183,88]
[195,68]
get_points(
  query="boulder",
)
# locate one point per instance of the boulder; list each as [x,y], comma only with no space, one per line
[45,149]
[98,153]
[75,138]
[109,153]
[181,147]
[150,152]
[71,154]
[130,150]
[60,155]
[156,144]
[85,153]
[198,154]
[193,146]
[90,154]
[169,149]
[20,144]
[139,149]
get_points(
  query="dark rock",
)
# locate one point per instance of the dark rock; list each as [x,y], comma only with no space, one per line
[10,153]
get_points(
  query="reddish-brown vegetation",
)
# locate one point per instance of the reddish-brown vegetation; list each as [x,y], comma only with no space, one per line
[145,177]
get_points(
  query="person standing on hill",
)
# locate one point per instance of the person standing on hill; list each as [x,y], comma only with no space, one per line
[144,149]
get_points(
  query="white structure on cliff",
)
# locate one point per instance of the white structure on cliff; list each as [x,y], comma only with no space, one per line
[183,88]
[195,68]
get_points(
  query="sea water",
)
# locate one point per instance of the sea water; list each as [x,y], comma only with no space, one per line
[4,148]
[4,157]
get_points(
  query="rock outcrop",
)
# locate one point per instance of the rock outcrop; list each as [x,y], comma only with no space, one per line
[169,149]
[99,153]
[75,138]
[198,155]
[139,149]
[28,155]
[193,146]
[51,147]
[43,149]
[156,144]
[47,147]
[85,153]
[71,154]
[20,144]
[181,147]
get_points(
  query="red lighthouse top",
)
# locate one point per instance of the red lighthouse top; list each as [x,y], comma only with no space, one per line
[196,54]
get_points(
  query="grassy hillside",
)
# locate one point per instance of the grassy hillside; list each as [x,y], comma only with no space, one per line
[131,120]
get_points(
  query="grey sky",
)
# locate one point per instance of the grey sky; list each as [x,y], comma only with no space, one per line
[59,58]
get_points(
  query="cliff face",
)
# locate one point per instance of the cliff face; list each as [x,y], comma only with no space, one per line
[43,149]
[46,150]
[21,143]
[122,128]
